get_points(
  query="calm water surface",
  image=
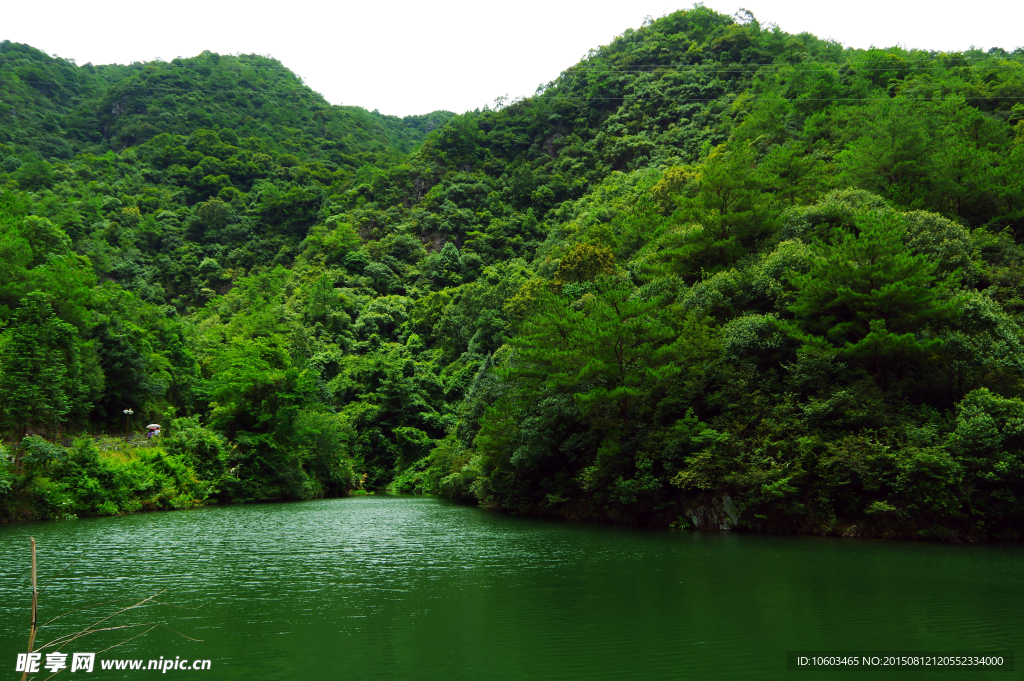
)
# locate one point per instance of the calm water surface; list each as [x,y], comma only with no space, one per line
[419,588]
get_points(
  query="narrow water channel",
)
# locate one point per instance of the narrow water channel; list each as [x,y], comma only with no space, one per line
[420,588]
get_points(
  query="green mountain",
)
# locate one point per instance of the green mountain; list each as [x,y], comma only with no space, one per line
[713,274]
[60,109]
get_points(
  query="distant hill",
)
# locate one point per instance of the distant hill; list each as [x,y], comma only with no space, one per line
[57,109]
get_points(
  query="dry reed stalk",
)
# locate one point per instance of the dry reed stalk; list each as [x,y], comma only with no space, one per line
[35,606]
[61,641]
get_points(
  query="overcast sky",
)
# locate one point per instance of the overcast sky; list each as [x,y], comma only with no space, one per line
[405,57]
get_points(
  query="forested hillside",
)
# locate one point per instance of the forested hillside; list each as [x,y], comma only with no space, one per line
[714,274]
[58,109]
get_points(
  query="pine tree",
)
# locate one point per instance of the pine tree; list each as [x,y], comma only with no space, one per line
[609,350]
[871,299]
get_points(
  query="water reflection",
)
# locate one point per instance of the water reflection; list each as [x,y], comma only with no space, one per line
[405,587]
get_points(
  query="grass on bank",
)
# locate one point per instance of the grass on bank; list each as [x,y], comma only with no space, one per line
[41,480]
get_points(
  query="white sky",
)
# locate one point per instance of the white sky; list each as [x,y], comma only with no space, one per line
[405,57]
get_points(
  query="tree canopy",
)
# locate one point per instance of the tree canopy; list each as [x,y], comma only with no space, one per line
[712,259]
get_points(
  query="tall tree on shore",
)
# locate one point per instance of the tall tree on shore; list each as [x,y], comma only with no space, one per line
[40,367]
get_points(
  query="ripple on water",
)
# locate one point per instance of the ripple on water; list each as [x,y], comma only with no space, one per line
[389,587]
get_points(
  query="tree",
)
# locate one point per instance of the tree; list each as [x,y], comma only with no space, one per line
[987,443]
[893,154]
[870,299]
[727,192]
[725,197]
[584,262]
[792,171]
[40,367]
[608,351]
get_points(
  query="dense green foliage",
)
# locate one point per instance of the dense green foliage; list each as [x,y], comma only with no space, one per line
[58,110]
[710,266]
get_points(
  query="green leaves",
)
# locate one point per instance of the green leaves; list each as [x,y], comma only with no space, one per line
[893,155]
[870,298]
[726,198]
[41,379]
[987,442]
[254,379]
[623,296]
[793,171]
[604,354]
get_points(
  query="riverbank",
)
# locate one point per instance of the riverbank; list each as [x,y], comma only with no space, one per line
[41,480]
[189,467]
[96,477]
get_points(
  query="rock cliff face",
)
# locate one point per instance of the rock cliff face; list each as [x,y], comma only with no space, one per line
[717,514]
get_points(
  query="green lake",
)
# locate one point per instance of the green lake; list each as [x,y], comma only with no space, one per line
[420,588]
